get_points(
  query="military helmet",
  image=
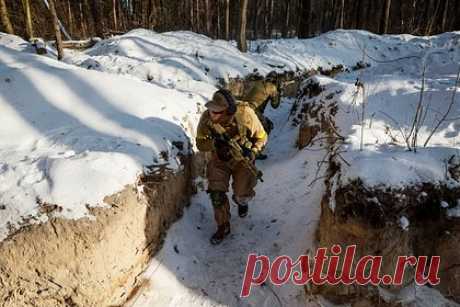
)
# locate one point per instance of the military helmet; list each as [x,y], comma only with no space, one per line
[272,77]
[222,100]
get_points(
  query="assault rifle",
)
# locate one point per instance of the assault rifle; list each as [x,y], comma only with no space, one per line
[236,151]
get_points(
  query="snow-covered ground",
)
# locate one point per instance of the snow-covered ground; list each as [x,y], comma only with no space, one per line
[70,136]
[74,133]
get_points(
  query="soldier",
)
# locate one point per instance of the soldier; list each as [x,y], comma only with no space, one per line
[258,96]
[241,125]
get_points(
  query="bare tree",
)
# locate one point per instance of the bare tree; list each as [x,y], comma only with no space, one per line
[192,19]
[5,18]
[96,11]
[271,21]
[227,19]
[257,13]
[305,15]
[82,21]
[242,44]
[57,29]
[416,123]
[114,12]
[444,15]
[431,20]
[70,17]
[208,18]
[28,19]
[285,29]
[342,14]
[385,17]
[218,19]
[359,14]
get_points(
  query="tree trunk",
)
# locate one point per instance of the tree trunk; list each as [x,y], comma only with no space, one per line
[424,21]
[270,22]
[385,18]
[149,14]
[444,16]
[457,20]
[208,18]
[342,14]
[359,18]
[285,31]
[227,19]
[368,15]
[192,19]
[69,13]
[257,11]
[242,44]
[114,12]
[28,19]
[57,30]
[97,17]
[431,20]
[82,21]
[218,19]
[5,18]
[197,16]
[304,19]
[402,12]
[413,21]
[266,18]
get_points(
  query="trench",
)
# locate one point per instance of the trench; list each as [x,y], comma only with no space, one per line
[160,255]
[370,218]
[93,261]
[283,217]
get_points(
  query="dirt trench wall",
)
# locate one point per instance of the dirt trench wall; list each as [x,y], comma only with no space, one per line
[93,262]
[370,218]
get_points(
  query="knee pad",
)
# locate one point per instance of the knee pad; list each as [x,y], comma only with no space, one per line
[217,198]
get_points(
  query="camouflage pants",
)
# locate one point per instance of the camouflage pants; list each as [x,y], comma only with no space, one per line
[219,174]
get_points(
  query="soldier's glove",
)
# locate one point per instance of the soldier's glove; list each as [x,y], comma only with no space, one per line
[222,150]
[249,153]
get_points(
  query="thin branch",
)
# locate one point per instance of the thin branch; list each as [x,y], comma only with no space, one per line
[343,159]
[448,109]
[406,139]
[413,130]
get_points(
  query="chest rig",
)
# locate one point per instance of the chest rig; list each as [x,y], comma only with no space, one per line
[235,129]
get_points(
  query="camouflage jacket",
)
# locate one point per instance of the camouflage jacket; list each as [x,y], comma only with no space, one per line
[260,93]
[244,127]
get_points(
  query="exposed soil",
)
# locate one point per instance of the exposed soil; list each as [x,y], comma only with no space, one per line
[93,261]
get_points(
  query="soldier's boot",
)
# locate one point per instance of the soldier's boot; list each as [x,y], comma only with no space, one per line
[243,207]
[261,156]
[221,214]
[220,234]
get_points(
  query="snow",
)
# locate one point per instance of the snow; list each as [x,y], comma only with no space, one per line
[422,296]
[404,223]
[392,93]
[70,136]
[187,61]
[77,131]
